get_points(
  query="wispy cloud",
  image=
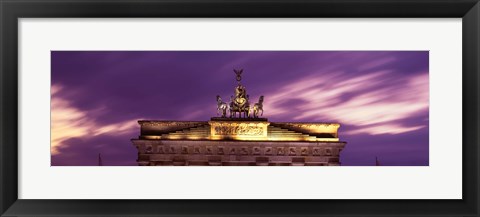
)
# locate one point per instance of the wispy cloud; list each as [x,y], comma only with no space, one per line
[69,122]
[369,99]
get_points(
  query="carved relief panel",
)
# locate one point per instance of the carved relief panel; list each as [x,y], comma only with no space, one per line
[244,130]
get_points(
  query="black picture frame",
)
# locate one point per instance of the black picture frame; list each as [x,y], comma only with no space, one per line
[12,10]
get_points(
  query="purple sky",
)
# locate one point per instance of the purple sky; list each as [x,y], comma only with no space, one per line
[380,98]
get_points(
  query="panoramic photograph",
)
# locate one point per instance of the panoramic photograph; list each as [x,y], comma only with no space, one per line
[239,108]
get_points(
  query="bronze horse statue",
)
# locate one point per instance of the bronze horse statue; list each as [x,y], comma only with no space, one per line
[221,106]
[258,107]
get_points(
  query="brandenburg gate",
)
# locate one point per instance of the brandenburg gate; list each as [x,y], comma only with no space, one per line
[242,138]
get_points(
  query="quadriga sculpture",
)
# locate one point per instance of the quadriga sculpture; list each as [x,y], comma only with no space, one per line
[258,107]
[240,103]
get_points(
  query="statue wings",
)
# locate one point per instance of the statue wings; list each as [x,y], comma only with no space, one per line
[238,72]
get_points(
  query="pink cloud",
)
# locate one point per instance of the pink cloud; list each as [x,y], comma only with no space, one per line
[68,122]
[373,103]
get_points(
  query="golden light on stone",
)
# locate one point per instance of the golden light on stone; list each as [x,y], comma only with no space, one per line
[242,131]
[238,142]
[238,130]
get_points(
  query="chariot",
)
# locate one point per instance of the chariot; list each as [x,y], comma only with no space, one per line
[240,104]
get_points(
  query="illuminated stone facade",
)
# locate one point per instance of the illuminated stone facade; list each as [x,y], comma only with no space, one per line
[238,142]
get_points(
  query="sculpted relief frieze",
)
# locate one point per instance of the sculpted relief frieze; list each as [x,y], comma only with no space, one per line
[239,130]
